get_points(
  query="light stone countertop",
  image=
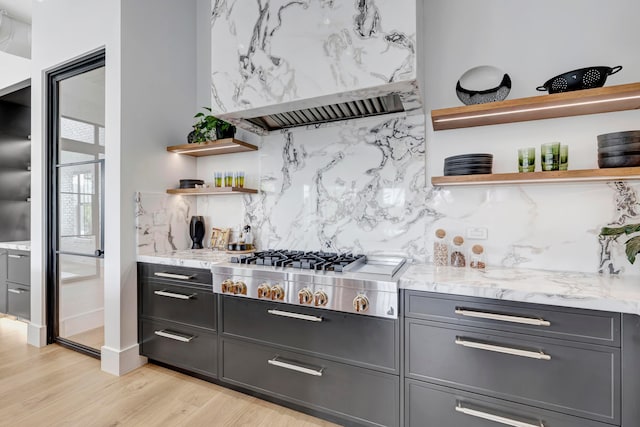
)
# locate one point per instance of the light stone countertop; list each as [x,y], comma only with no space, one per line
[24,245]
[194,258]
[567,289]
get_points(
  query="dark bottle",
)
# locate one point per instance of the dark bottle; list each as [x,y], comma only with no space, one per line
[196,231]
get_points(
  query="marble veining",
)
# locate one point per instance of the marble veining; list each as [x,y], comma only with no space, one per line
[162,222]
[277,51]
[560,288]
[627,204]
[194,258]
[356,187]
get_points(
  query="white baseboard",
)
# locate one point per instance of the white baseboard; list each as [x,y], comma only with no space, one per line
[82,322]
[37,335]
[120,362]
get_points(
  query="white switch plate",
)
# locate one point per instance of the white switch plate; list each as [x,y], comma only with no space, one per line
[477,233]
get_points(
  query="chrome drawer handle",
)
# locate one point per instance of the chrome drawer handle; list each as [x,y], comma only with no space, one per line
[173,276]
[295,315]
[16,256]
[503,317]
[15,291]
[495,418]
[292,367]
[499,349]
[173,295]
[165,334]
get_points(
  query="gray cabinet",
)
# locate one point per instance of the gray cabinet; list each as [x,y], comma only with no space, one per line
[359,395]
[362,340]
[340,364]
[15,283]
[177,317]
[429,405]
[19,267]
[581,380]
[3,280]
[520,361]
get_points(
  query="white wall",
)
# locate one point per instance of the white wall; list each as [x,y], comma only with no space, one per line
[150,102]
[56,29]
[551,226]
[157,105]
[13,69]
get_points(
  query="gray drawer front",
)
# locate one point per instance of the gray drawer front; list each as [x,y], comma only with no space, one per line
[198,355]
[597,327]
[365,340]
[432,406]
[580,379]
[3,281]
[19,267]
[184,304]
[19,301]
[160,272]
[360,395]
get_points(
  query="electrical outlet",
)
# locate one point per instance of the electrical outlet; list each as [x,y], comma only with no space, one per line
[477,233]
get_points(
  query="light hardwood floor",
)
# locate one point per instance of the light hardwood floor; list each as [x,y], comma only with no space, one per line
[53,386]
[93,338]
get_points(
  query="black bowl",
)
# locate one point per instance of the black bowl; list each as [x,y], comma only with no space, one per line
[190,183]
[622,148]
[625,161]
[476,156]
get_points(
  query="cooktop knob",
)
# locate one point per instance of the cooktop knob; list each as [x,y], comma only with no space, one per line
[361,303]
[240,288]
[320,299]
[277,293]
[305,296]
[227,286]
[264,291]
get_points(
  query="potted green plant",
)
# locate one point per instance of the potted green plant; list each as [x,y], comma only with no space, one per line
[209,128]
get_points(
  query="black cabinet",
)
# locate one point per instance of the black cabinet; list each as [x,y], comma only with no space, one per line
[177,317]
[19,267]
[473,361]
[19,301]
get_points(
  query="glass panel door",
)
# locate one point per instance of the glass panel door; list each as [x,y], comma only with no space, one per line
[77,163]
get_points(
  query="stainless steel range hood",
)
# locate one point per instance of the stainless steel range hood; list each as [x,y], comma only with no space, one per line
[384,104]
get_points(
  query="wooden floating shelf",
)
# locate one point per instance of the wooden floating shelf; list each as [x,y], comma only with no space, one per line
[584,175]
[213,191]
[212,148]
[576,103]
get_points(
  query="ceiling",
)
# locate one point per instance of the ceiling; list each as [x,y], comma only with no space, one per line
[18,9]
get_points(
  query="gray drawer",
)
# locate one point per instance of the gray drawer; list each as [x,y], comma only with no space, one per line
[432,406]
[178,303]
[19,267]
[19,301]
[179,345]
[597,327]
[363,340]
[174,274]
[3,281]
[360,395]
[579,379]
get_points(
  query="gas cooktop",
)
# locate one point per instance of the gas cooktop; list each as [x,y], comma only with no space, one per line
[320,261]
[343,282]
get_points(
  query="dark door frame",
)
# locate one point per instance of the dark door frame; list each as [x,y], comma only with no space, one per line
[78,66]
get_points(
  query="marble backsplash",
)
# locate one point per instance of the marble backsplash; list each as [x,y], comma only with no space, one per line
[362,186]
[162,222]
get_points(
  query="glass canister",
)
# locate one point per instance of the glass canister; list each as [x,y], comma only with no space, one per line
[477,258]
[458,258]
[440,249]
